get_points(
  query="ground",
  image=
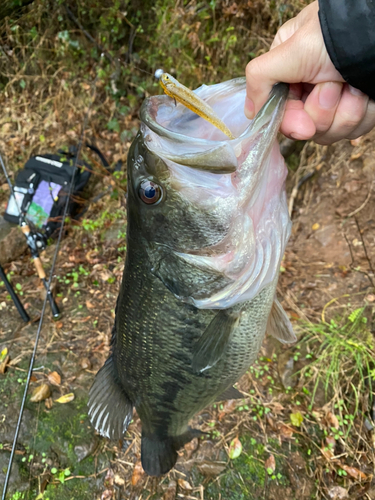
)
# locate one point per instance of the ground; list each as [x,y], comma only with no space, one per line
[304,429]
[289,448]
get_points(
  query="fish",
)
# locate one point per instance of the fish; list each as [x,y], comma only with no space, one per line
[207,226]
[173,88]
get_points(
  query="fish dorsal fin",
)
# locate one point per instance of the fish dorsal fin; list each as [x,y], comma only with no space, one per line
[110,410]
[230,393]
[212,344]
[279,325]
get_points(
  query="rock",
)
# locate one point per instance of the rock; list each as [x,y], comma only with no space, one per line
[83,451]
[12,242]
[16,482]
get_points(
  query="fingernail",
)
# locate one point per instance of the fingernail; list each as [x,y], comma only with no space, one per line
[249,108]
[329,94]
[355,91]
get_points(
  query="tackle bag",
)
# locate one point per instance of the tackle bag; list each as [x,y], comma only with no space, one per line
[42,186]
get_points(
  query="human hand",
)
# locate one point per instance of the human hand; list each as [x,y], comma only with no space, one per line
[321,105]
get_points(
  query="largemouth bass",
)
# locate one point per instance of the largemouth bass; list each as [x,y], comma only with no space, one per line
[207,227]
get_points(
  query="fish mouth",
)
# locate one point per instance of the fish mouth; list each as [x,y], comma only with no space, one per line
[238,181]
[173,132]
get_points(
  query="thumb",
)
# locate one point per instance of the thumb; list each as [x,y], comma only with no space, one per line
[284,63]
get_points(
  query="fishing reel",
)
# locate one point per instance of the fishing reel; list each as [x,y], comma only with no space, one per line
[36,241]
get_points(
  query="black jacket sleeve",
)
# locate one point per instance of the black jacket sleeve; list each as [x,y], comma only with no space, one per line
[348,28]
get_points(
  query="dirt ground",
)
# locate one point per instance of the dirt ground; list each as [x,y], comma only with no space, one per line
[288,447]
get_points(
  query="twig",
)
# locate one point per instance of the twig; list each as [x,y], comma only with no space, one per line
[364,203]
[294,193]
[365,250]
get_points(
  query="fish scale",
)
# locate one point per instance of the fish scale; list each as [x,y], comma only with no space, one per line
[199,283]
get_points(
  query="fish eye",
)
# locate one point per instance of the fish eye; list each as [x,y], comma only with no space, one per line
[150,193]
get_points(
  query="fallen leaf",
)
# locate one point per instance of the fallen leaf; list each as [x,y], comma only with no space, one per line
[212,469]
[354,473]
[54,378]
[85,363]
[285,431]
[89,305]
[3,354]
[4,364]
[118,480]
[338,493]
[270,464]
[67,398]
[184,484]
[40,393]
[331,442]
[191,446]
[332,420]
[106,495]
[138,473]
[296,418]
[59,324]
[327,453]
[235,448]
[171,492]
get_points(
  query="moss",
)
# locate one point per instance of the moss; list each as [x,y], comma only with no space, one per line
[246,477]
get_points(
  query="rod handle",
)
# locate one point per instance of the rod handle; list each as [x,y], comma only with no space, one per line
[39,268]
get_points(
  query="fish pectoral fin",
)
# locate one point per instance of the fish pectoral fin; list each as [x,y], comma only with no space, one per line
[230,393]
[212,344]
[159,454]
[279,325]
[110,410]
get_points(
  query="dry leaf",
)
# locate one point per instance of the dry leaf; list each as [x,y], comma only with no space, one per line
[85,363]
[89,305]
[40,393]
[138,473]
[327,453]
[106,495]
[286,432]
[338,493]
[355,473]
[270,464]
[54,378]
[59,324]
[4,364]
[332,420]
[67,398]
[118,480]
[235,448]
[184,484]
[212,469]
[171,492]
[191,446]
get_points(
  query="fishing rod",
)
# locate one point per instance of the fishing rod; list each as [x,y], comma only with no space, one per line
[34,241]
[48,283]
[14,296]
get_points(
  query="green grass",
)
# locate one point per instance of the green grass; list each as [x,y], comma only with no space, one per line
[340,357]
